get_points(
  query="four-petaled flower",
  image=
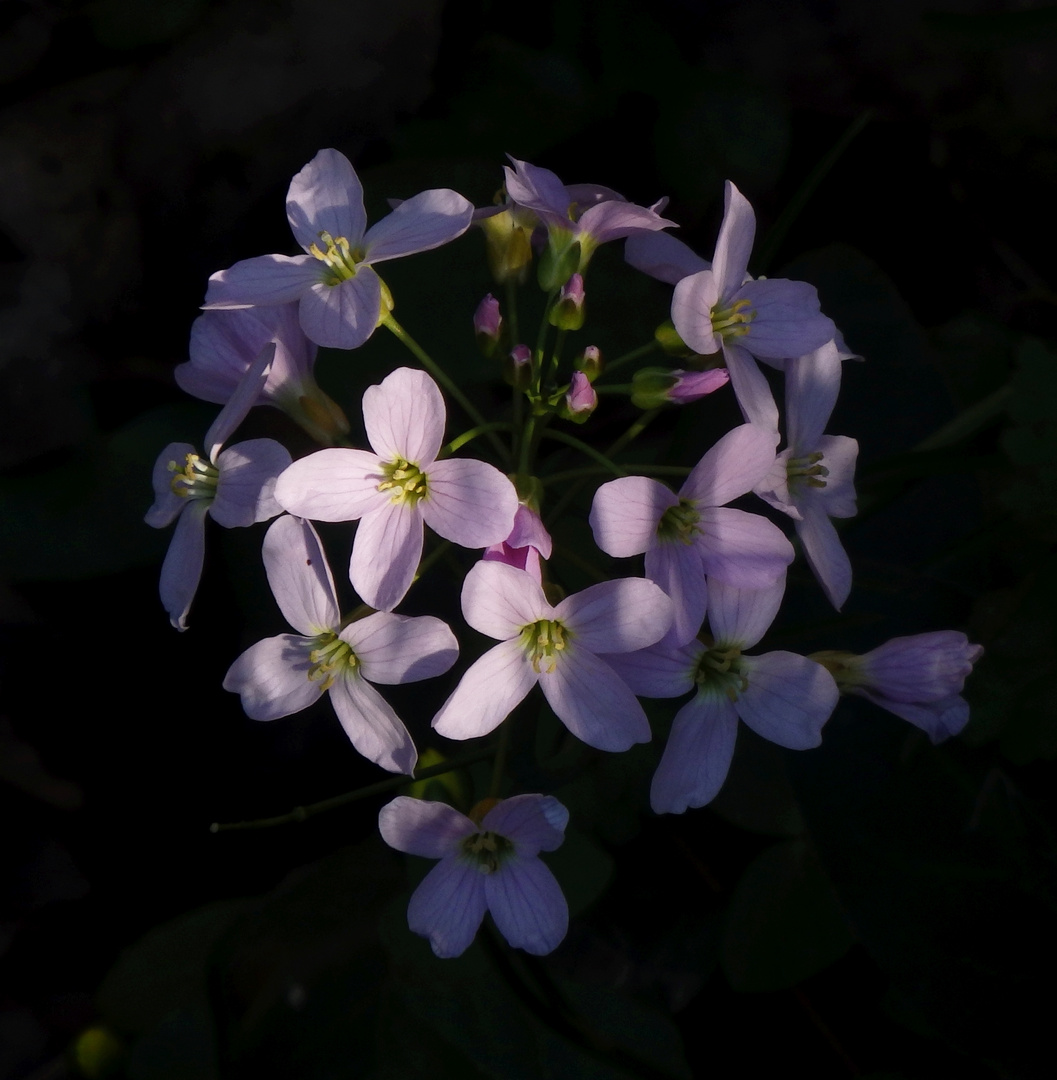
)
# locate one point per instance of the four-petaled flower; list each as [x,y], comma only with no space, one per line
[339,293]
[400,487]
[558,648]
[489,864]
[285,674]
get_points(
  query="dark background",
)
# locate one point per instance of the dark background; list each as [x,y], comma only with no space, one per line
[877,907]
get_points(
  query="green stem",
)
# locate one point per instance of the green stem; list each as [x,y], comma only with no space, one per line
[624,388]
[467,436]
[302,813]
[511,311]
[634,431]
[584,448]
[629,357]
[596,470]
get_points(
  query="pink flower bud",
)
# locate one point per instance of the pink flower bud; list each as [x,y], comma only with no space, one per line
[487,321]
[691,385]
[568,312]
[590,362]
[581,399]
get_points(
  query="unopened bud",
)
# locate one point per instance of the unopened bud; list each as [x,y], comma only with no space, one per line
[487,325]
[518,367]
[590,362]
[568,312]
[653,387]
[580,399]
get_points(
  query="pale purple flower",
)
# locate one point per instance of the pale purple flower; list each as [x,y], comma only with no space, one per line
[285,674]
[663,256]
[224,345]
[812,480]
[399,488]
[724,309]
[488,865]
[557,647]
[234,487]
[339,294]
[919,678]
[783,697]
[584,213]
[581,399]
[693,534]
[527,543]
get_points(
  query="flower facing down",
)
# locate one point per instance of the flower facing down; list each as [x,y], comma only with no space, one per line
[557,647]
[919,678]
[527,544]
[339,294]
[234,487]
[399,488]
[491,864]
[285,674]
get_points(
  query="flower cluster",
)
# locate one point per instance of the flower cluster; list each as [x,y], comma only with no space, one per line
[713,574]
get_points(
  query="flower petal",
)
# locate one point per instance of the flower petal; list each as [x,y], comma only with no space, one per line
[533,822]
[614,219]
[825,554]
[372,725]
[676,567]
[698,754]
[272,677]
[839,454]
[661,671]
[182,569]
[528,905]
[734,243]
[246,487]
[617,616]
[488,693]
[342,316]
[593,702]
[404,417]
[332,485]
[732,467]
[742,616]
[326,196]
[448,906]
[741,549]
[662,256]
[167,504]
[788,699]
[787,322]
[938,719]
[692,302]
[398,649]
[386,554]
[300,577]
[247,392]
[420,827]
[536,189]
[266,279]
[421,223]
[469,502]
[498,600]
[625,514]
[750,387]
[812,383]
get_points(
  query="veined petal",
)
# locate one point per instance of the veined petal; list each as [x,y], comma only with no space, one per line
[825,554]
[742,549]
[625,514]
[404,417]
[246,394]
[332,485]
[421,223]
[488,693]
[272,679]
[662,256]
[938,719]
[750,387]
[300,577]
[812,383]
[419,827]
[742,616]
[692,302]
[182,569]
[612,220]
[528,905]
[788,699]
[167,504]
[448,906]
[399,649]
[536,188]
[593,702]
[698,754]
[246,486]
[839,454]
[469,502]
[662,671]
[342,316]
[734,244]
[326,196]
[372,725]
[266,279]
[533,822]
[498,600]
[617,616]
[788,321]
[385,554]
[732,467]
[676,567]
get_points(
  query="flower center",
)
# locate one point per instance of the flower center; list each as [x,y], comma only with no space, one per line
[679,523]
[339,258]
[329,659]
[543,641]
[733,321]
[720,668]
[488,850]
[807,471]
[196,480]
[407,482]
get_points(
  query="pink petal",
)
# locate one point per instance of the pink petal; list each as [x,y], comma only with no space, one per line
[385,554]
[741,549]
[167,504]
[734,466]
[812,383]
[332,485]
[267,279]
[272,677]
[326,196]
[662,256]
[839,454]
[182,569]
[788,699]
[448,906]
[612,220]
[488,693]
[742,616]
[692,302]
[788,321]
[617,616]
[661,671]
[734,244]
[372,726]
[301,581]
[528,905]
[246,487]
[342,316]
[825,554]
[750,387]
[676,567]
[469,502]
[421,223]
[404,417]
[533,822]
[247,392]
[398,649]
[498,600]
[625,514]
[418,827]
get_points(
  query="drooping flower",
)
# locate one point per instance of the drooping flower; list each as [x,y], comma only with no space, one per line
[527,543]
[339,294]
[234,487]
[722,308]
[487,863]
[783,697]
[919,678]
[399,488]
[283,675]
[693,534]
[812,479]
[557,647]
[224,345]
